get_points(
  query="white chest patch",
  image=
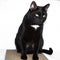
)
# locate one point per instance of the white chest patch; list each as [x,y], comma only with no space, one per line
[35,26]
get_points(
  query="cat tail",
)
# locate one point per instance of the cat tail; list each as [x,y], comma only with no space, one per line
[50,51]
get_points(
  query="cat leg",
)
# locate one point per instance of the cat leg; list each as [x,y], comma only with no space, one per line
[23,51]
[36,39]
[41,44]
[18,48]
[17,45]
[22,44]
[35,53]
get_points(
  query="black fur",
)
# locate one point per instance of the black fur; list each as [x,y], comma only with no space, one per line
[28,36]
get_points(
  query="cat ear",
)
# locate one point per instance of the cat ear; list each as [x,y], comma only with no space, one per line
[33,5]
[46,6]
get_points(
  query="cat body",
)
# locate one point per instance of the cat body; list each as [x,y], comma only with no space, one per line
[29,40]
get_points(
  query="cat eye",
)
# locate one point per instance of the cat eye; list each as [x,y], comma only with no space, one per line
[44,16]
[37,15]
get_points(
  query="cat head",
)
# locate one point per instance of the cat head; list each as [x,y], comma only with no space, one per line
[37,14]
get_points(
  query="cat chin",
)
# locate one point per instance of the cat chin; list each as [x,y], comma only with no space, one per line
[35,26]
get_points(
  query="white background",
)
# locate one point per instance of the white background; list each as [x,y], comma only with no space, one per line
[11,16]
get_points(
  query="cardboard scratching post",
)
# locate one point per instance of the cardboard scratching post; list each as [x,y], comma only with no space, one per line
[13,55]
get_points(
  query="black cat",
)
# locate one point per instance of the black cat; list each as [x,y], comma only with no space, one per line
[28,39]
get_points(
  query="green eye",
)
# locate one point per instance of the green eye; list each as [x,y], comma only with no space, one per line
[37,15]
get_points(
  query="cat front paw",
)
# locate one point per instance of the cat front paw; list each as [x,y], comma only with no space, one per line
[35,57]
[24,57]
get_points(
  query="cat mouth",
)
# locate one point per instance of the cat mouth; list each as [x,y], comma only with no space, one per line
[35,26]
